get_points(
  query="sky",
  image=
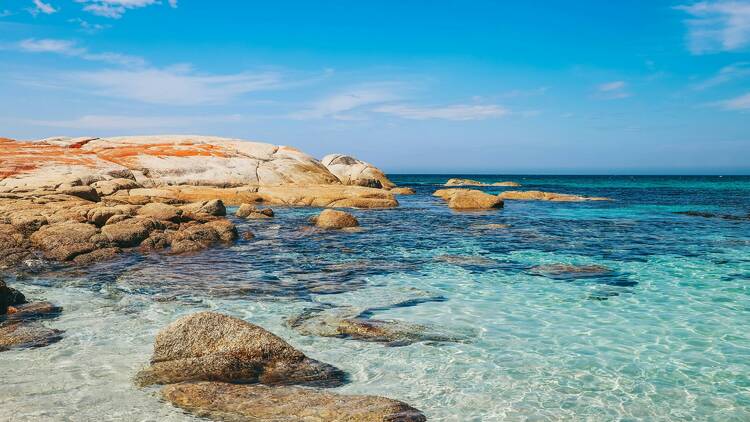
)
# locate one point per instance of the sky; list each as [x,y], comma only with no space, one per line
[569,87]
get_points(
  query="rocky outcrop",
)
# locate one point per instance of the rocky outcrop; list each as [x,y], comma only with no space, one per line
[85,200]
[535,195]
[351,171]
[469,199]
[470,182]
[120,163]
[333,219]
[252,212]
[208,346]
[222,401]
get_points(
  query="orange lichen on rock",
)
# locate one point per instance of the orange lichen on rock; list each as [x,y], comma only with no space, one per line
[128,155]
[24,157]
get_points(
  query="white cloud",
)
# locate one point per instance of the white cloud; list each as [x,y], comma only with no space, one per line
[116,8]
[88,27]
[71,49]
[725,75]
[174,86]
[451,112]
[338,104]
[42,7]
[115,122]
[612,90]
[715,26]
[740,103]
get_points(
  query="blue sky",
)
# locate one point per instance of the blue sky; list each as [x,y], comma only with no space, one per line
[412,86]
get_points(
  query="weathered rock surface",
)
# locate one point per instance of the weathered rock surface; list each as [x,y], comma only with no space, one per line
[535,195]
[403,191]
[351,171]
[26,334]
[231,402]
[470,182]
[469,199]
[251,211]
[87,199]
[334,219]
[353,324]
[474,200]
[209,346]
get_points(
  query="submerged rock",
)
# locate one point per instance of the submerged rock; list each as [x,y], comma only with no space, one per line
[333,219]
[251,211]
[15,334]
[231,402]
[467,260]
[570,271]
[208,346]
[350,324]
[535,195]
[490,226]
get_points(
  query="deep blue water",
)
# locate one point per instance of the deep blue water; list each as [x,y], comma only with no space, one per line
[663,334]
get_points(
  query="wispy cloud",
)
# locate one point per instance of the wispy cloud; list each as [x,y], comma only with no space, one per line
[725,75]
[116,122]
[116,8]
[42,7]
[612,90]
[451,112]
[715,26]
[337,105]
[5,12]
[71,49]
[174,85]
[741,103]
[88,27]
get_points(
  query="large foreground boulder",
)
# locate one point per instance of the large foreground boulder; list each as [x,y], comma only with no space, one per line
[208,346]
[334,219]
[351,171]
[231,402]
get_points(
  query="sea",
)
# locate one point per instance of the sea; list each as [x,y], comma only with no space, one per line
[658,331]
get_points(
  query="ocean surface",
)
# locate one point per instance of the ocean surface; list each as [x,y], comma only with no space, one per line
[663,335]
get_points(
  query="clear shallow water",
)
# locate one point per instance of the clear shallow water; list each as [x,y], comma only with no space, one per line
[666,336]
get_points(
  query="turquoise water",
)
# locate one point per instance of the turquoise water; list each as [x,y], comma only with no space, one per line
[664,336]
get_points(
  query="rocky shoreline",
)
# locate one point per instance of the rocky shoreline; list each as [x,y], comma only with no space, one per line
[80,201]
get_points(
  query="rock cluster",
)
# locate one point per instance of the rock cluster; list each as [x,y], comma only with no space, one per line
[215,362]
